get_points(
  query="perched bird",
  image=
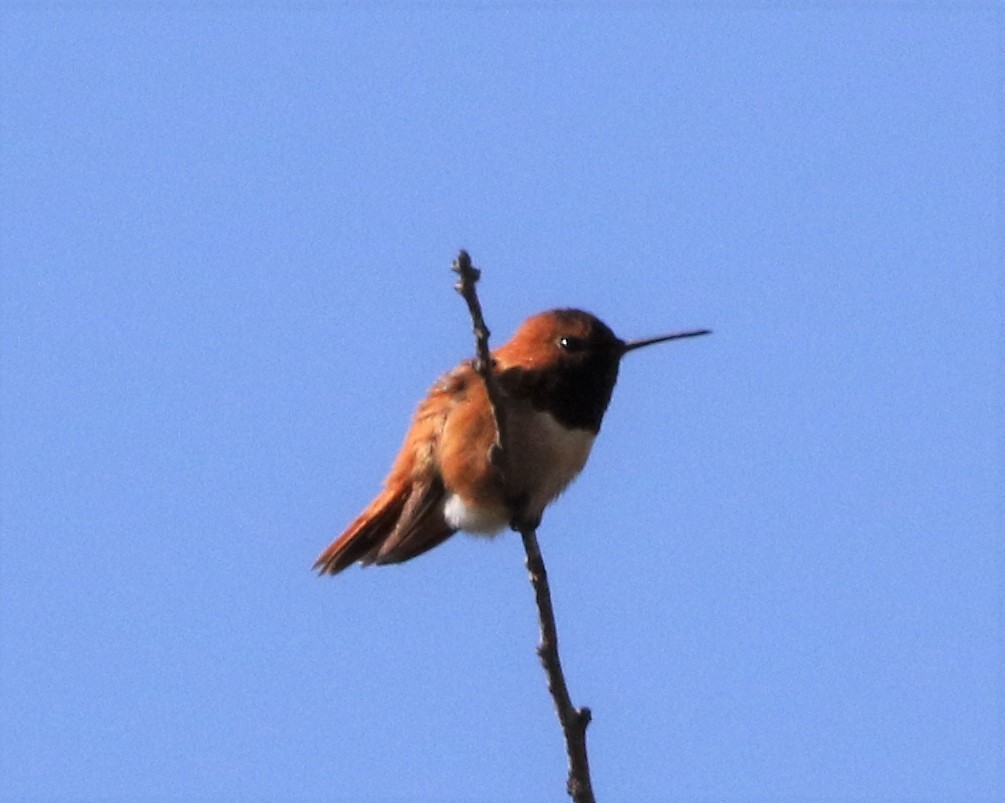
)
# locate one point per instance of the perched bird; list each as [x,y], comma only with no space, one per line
[555,376]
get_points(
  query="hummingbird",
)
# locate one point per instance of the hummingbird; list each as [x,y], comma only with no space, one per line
[555,377]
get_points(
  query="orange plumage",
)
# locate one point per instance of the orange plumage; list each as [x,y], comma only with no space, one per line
[556,376]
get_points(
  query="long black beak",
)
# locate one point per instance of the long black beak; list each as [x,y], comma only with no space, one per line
[630,345]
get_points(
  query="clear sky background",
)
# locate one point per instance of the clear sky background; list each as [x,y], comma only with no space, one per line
[225,239]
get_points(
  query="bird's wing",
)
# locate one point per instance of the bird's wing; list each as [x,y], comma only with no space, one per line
[406,519]
[420,527]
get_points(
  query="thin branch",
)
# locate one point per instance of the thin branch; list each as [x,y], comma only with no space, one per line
[573,720]
[468,276]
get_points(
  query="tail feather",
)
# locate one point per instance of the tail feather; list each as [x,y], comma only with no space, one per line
[394,528]
[363,538]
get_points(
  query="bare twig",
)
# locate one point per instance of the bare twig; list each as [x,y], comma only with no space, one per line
[468,277]
[573,720]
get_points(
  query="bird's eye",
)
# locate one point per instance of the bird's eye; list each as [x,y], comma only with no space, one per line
[571,343]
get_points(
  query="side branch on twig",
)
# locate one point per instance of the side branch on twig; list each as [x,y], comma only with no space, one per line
[573,720]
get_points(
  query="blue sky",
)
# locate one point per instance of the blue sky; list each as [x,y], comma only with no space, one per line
[225,234]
